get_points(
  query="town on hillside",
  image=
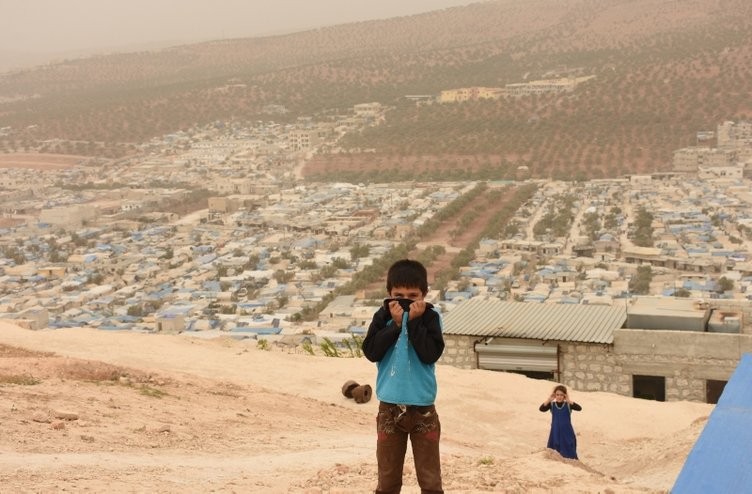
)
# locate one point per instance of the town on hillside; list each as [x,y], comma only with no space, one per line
[121,244]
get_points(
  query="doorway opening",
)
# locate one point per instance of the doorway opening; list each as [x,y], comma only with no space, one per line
[713,390]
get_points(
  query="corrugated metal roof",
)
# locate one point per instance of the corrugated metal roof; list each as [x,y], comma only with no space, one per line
[560,322]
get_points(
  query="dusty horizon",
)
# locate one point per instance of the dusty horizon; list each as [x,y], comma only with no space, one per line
[39,31]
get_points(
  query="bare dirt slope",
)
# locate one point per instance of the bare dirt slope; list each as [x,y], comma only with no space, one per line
[39,161]
[93,411]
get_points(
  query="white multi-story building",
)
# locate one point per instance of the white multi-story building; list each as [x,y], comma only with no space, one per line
[690,159]
[734,134]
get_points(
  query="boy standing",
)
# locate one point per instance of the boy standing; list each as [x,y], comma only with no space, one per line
[405,341]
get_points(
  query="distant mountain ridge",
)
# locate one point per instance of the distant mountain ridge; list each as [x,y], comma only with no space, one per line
[19,60]
[664,70]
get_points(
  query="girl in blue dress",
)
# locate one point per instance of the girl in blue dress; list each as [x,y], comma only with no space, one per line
[562,437]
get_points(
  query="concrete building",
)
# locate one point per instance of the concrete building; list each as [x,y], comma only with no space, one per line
[170,323]
[368,110]
[70,217]
[679,354]
[734,134]
[690,159]
[734,172]
[52,270]
[222,205]
[565,84]
[302,139]
[469,94]
[33,318]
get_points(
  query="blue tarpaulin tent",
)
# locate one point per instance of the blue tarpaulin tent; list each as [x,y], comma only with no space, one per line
[720,459]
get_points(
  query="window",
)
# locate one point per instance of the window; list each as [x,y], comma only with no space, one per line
[713,390]
[649,387]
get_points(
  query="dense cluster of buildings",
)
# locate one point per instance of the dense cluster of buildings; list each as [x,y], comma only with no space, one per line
[730,158]
[109,247]
[112,251]
[680,339]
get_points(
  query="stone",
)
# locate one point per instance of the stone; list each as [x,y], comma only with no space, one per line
[63,415]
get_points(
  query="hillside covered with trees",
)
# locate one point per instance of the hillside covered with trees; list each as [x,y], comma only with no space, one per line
[664,70]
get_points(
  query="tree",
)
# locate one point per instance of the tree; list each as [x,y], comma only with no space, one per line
[643,235]
[340,263]
[327,271]
[640,283]
[135,311]
[359,250]
[77,240]
[725,285]
[168,253]
[283,276]
[96,278]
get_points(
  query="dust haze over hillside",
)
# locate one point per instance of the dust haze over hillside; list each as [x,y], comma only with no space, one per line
[662,72]
[43,31]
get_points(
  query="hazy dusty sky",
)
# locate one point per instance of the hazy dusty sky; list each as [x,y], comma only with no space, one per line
[59,26]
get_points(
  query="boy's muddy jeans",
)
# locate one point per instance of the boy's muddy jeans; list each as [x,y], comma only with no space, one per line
[394,424]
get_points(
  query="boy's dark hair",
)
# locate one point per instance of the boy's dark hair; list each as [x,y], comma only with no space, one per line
[408,274]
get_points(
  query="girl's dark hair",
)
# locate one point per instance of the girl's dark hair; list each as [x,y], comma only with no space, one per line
[408,274]
[561,388]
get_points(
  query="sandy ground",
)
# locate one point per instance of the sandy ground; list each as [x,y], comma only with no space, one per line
[83,410]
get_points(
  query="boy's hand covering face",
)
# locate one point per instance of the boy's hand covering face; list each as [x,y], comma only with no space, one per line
[405,300]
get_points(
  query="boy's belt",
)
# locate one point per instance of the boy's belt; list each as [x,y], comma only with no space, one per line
[406,408]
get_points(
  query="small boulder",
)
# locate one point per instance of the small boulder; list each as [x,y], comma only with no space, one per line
[62,415]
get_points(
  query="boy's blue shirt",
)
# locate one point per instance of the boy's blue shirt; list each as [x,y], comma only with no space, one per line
[402,377]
